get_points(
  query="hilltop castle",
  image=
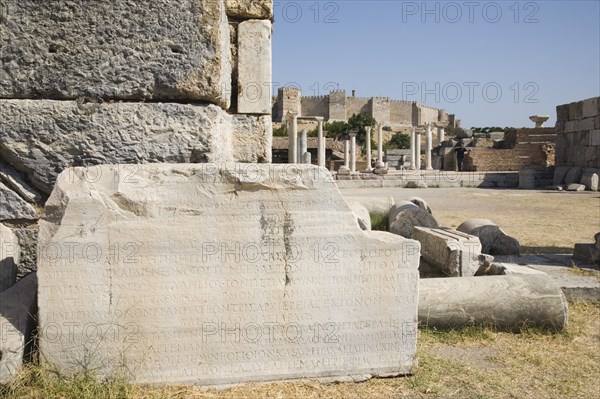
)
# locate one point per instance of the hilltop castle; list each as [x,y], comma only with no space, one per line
[338,107]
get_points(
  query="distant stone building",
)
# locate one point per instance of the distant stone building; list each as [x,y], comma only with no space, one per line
[337,106]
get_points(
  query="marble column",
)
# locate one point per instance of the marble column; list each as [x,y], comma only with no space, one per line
[292,137]
[380,145]
[302,145]
[428,145]
[352,152]
[320,143]
[347,154]
[418,150]
[368,138]
[440,134]
[412,148]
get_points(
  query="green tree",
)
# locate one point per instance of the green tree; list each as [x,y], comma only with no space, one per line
[337,129]
[280,131]
[359,122]
[399,141]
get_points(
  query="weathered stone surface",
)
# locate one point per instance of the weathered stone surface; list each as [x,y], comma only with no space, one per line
[559,175]
[590,179]
[588,253]
[217,274]
[375,205]
[504,302]
[13,207]
[453,253]
[590,107]
[115,50]
[361,213]
[10,255]
[493,240]
[416,184]
[17,310]
[506,269]
[254,67]
[576,187]
[597,239]
[573,175]
[420,202]
[42,138]
[27,237]
[15,182]
[252,138]
[259,9]
[406,215]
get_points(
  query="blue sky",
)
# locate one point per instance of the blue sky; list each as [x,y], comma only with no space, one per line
[490,63]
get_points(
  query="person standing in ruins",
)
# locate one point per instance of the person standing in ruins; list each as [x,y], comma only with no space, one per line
[460,155]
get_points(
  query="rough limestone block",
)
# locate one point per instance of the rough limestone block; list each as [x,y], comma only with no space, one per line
[562,113]
[375,205]
[559,175]
[17,311]
[590,107]
[571,126]
[453,253]
[507,269]
[258,9]
[15,182]
[493,240]
[10,255]
[252,138]
[42,137]
[507,303]
[218,274]
[586,124]
[361,213]
[595,137]
[586,253]
[590,179]
[129,50]
[28,244]
[573,111]
[13,207]
[421,203]
[575,187]
[573,175]
[406,215]
[254,67]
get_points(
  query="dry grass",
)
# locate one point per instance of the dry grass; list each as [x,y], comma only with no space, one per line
[489,364]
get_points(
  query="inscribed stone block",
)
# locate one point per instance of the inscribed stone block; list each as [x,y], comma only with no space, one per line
[218,274]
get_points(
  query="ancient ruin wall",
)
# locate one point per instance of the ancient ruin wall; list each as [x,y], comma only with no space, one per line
[532,148]
[87,83]
[356,105]
[578,134]
[316,106]
[401,112]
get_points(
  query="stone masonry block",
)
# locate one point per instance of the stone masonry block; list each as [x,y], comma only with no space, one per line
[254,67]
[42,137]
[586,124]
[257,9]
[252,138]
[130,50]
[590,107]
[572,111]
[452,252]
[594,137]
[189,263]
[562,112]
[571,126]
